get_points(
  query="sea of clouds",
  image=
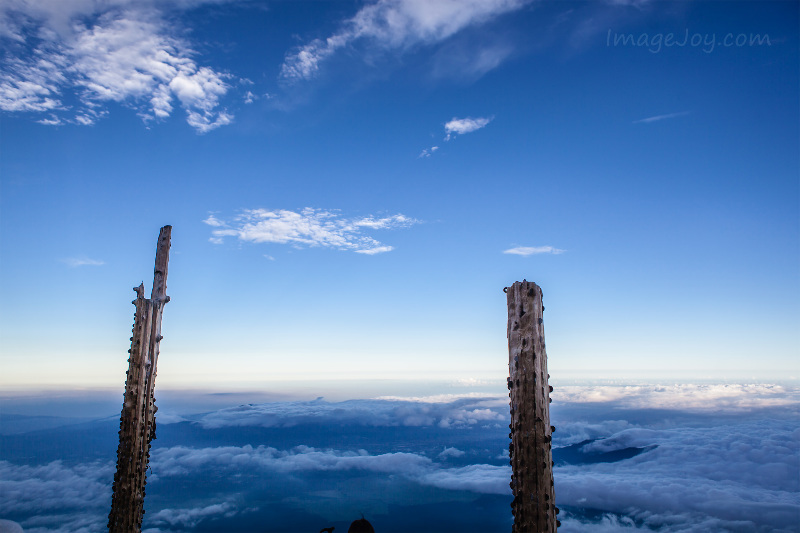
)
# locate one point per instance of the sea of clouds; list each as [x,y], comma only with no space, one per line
[645,458]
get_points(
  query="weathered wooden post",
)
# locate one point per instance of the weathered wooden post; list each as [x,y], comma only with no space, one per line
[137,426]
[530,450]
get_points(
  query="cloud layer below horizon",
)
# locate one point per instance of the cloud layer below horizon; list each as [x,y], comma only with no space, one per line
[732,468]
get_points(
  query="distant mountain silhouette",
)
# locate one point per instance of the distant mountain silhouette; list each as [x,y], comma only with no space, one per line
[361,526]
[575,454]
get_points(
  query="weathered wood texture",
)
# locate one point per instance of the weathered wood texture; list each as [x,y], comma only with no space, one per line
[137,426]
[530,450]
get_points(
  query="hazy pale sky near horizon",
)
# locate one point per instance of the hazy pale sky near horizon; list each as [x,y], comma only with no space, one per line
[352,184]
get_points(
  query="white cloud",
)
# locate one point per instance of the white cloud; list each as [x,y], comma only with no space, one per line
[609,523]
[716,470]
[460,126]
[532,250]
[53,487]
[444,398]
[687,397]
[213,221]
[473,411]
[451,452]
[308,227]
[190,517]
[52,121]
[129,55]
[169,417]
[472,382]
[8,526]
[180,460]
[376,250]
[32,85]
[739,474]
[383,223]
[445,412]
[427,152]
[82,261]
[656,118]
[479,478]
[396,25]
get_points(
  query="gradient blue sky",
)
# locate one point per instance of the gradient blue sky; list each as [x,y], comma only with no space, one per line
[652,190]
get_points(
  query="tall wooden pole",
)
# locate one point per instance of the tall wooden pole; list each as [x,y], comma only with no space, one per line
[530,450]
[137,426]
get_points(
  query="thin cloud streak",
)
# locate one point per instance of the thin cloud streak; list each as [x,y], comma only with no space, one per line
[533,250]
[656,118]
[82,261]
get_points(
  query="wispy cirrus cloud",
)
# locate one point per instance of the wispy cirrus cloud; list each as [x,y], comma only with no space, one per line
[82,261]
[395,25]
[308,227]
[469,60]
[533,250]
[656,118]
[101,52]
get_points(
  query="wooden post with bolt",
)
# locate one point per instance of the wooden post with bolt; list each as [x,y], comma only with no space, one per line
[137,426]
[530,450]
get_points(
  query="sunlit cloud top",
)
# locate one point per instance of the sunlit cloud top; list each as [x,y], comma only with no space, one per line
[685,396]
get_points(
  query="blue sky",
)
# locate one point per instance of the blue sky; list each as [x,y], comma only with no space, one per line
[651,190]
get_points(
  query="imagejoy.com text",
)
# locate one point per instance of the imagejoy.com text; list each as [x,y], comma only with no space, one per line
[655,42]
